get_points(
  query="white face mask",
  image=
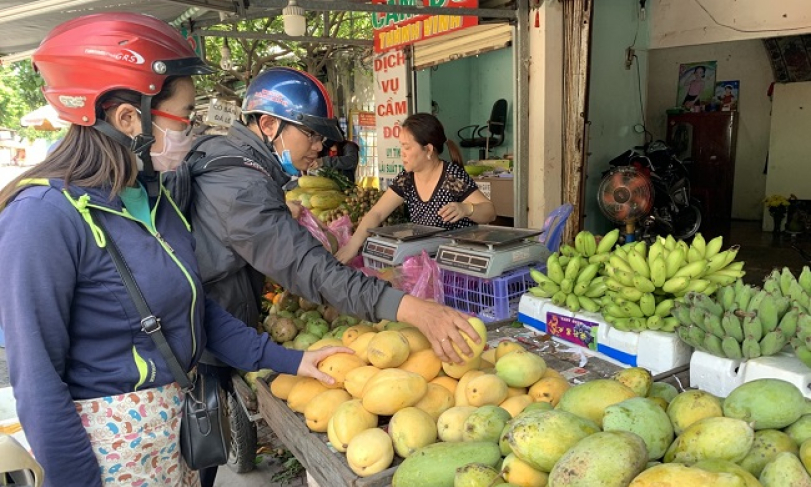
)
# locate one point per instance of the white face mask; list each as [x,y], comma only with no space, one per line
[176,144]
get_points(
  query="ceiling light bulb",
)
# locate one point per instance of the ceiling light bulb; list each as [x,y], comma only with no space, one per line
[225,57]
[294,22]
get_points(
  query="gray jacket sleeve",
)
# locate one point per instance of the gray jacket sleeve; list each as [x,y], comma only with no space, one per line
[261,230]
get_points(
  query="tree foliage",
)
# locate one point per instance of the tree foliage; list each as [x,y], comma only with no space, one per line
[21,93]
[250,56]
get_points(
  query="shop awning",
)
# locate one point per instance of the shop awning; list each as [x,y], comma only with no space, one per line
[463,43]
[25,23]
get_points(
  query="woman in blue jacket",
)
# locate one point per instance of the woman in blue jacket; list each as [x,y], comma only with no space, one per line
[96,399]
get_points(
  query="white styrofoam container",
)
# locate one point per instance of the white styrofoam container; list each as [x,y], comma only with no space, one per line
[661,351]
[716,375]
[782,366]
[656,351]
[531,312]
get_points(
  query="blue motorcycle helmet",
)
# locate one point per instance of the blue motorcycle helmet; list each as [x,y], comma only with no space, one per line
[295,97]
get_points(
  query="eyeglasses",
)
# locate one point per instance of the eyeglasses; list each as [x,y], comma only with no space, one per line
[313,136]
[192,122]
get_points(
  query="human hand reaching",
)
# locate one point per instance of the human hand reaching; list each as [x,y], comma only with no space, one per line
[309,363]
[295,208]
[346,253]
[443,326]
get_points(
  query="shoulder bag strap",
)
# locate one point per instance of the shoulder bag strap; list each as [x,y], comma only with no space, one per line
[150,323]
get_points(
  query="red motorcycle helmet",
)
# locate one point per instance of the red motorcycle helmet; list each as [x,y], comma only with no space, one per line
[83,58]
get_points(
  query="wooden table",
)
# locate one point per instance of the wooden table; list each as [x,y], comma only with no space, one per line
[330,469]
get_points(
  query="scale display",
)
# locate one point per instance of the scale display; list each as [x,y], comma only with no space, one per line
[488,251]
[391,245]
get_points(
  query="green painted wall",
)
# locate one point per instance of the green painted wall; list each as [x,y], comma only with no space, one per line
[614,93]
[464,92]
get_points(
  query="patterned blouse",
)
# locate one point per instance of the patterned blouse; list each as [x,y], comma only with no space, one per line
[454,186]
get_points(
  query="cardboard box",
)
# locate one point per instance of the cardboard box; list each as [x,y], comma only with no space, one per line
[500,193]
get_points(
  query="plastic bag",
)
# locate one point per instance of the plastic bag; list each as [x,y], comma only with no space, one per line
[342,229]
[317,229]
[420,276]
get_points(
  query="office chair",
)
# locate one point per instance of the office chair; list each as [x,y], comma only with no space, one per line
[495,128]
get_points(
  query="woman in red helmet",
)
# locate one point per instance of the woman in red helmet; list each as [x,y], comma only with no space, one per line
[95,396]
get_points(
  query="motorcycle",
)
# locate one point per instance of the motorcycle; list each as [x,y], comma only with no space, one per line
[674,211]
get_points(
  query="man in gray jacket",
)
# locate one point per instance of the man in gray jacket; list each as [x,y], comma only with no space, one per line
[245,231]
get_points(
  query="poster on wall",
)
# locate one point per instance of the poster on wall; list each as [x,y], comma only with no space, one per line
[391,108]
[726,95]
[696,85]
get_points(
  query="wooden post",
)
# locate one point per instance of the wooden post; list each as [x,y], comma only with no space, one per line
[577,16]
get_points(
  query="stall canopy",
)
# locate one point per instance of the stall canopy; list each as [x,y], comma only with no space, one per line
[24,23]
[463,43]
[43,118]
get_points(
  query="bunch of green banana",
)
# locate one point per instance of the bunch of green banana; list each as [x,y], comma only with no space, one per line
[798,292]
[575,286]
[740,322]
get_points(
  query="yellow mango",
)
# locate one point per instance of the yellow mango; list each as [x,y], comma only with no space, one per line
[370,452]
[303,392]
[489,355]
[506,347]
[549,390]
[325,342]
[416,340]
[477,348]
[386,397]
[319,411]
[678,475]
[520,368]
[590,399]
[338,365]
[451,423]
[518,472]
[486,389]
[361,344]
[356,379]
[448,383]
[458,370]
[514,405]
[411,428]
[692,406]
[460,395]
[388,349]
[423,362]
[348,420]
[353,332]
[281,385]
[436,400]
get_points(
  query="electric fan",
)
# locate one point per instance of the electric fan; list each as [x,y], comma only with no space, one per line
[625,196]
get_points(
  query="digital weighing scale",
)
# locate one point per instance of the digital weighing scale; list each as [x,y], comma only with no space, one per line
[389,246]
[489,251]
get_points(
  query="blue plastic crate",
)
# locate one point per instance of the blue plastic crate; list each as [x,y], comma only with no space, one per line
[493,299]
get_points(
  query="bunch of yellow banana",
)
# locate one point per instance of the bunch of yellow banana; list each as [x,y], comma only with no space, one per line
[740,322]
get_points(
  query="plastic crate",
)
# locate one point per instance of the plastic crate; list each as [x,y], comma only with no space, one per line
[491,299]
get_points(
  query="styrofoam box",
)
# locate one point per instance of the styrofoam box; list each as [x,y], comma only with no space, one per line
[784,366]
[716,375]
[654,350]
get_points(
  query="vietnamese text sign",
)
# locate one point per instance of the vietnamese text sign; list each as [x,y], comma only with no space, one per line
[573,330]
[394,30]
[222,113]
[391,108]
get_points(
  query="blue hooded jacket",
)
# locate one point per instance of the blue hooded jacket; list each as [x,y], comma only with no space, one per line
[72,331]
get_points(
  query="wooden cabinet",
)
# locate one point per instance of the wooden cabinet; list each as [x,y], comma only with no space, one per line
[708,138]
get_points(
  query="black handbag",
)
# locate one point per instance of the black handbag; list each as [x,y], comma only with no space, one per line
[204,426]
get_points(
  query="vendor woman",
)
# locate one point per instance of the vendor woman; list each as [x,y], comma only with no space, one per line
[437,193]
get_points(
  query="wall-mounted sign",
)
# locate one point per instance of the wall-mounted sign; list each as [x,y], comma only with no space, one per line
[196,42]
[391,108]
[222,113]
[394,30]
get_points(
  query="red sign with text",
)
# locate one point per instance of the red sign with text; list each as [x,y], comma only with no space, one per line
[395,30]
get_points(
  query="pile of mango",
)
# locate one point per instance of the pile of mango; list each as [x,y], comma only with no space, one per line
[319,194]
[505,418]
